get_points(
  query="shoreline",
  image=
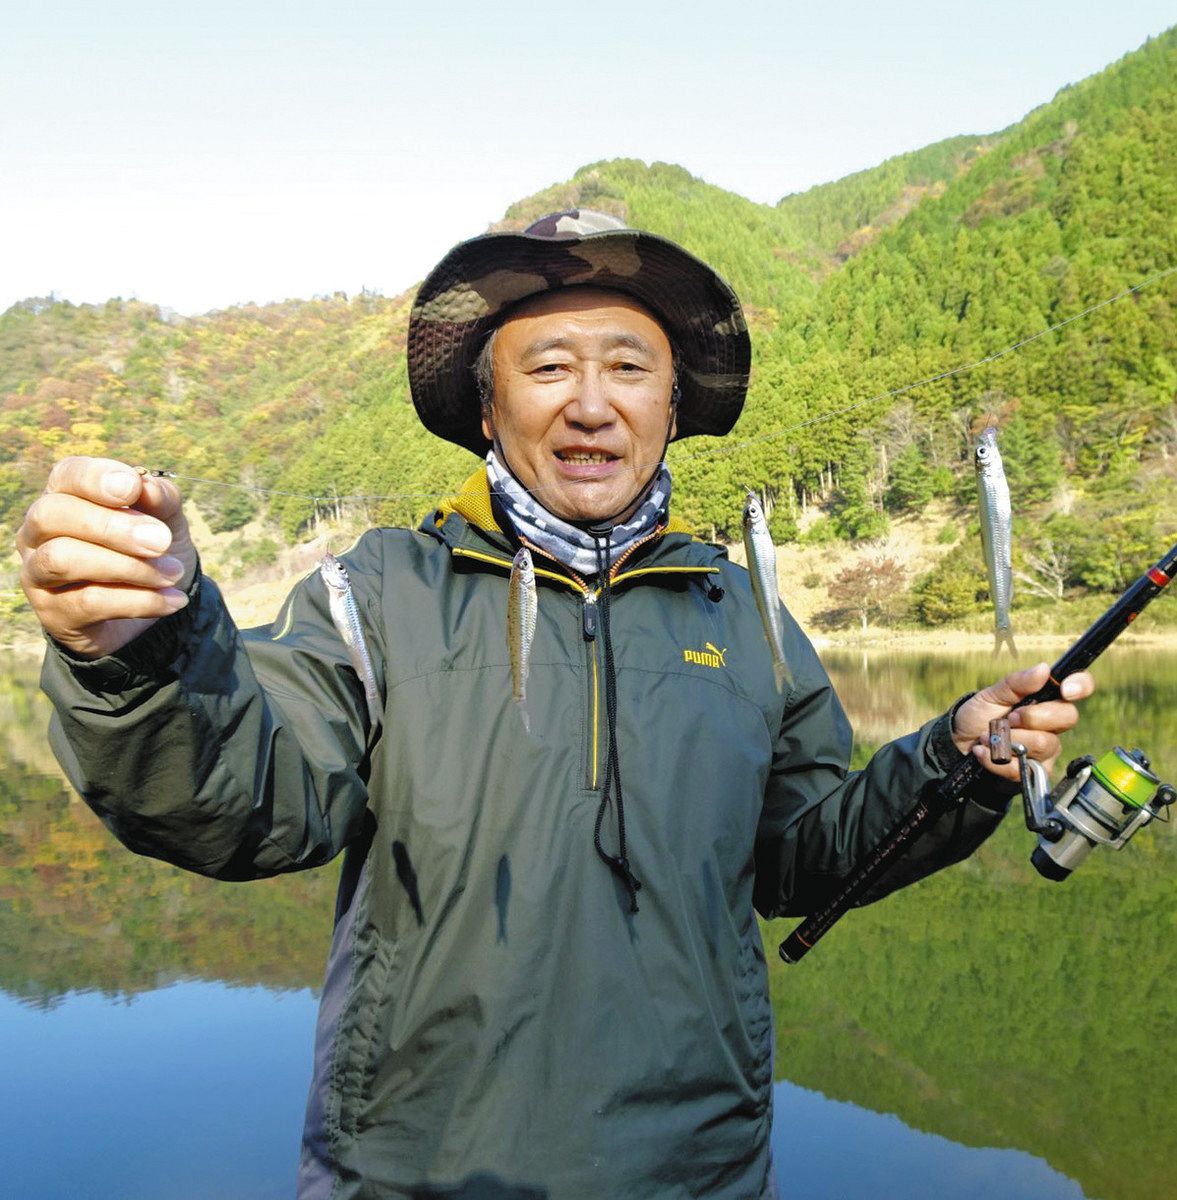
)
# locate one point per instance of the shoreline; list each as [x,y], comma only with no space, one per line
[953,641]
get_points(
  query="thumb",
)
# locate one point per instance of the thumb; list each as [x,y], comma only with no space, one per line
[1017,685]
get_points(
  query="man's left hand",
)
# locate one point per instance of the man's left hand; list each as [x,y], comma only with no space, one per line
[1036,726]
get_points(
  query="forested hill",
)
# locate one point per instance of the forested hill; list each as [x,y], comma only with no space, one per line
[931,261]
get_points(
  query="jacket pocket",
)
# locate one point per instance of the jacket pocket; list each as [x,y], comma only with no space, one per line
[357,1055]
[756,1009]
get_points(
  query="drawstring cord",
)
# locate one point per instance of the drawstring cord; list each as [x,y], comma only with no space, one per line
[618,863]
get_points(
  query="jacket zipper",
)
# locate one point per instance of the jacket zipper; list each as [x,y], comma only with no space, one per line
[590,625]
[588,619]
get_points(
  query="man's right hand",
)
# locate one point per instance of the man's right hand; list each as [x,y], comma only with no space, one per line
[105,552]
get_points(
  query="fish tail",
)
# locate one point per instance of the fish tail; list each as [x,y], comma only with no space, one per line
[1004,635]
[523,713]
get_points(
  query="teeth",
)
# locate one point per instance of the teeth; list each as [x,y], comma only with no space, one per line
[585,457]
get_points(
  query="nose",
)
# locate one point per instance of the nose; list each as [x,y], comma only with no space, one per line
[591,406]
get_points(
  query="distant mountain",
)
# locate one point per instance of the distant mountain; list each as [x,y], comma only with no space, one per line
[756,247]
[843,217]
[929,262]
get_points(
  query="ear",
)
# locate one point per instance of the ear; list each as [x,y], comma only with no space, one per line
[488,429]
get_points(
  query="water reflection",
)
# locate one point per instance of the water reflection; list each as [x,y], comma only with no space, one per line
[887,694]
[827,1150]
[988,1005]
[985,1006]
[80,913]
[186,1093]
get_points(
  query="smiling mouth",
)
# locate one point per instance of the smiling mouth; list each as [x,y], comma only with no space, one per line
[585,457]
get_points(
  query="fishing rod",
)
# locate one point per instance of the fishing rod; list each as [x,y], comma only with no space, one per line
[950,791]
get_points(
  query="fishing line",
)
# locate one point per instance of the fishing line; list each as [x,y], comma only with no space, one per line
[728,447]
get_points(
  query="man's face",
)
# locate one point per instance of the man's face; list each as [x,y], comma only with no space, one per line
[581,404]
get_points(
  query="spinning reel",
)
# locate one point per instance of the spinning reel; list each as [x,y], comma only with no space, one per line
[1098,802]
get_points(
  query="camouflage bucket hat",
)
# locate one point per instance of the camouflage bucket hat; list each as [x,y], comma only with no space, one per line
[472,289]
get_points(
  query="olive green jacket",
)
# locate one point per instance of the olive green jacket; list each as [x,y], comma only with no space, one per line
[495,1021]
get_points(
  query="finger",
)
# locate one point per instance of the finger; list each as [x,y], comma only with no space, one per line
[74,610]
[101,480]
[1045,747]
[1057,716]
[128,531]
[1078,686]
[65,562]
[1002,770]
[1042,745]
[160,498]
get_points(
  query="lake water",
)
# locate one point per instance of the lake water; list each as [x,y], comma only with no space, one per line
[983,1033]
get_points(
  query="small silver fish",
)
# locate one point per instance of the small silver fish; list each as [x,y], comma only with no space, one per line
[762,567]
[522,608]
[996,534]
[346,618]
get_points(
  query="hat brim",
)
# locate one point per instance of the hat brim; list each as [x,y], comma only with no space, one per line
[469,291]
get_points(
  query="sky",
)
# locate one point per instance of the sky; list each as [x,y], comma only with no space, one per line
[201,156]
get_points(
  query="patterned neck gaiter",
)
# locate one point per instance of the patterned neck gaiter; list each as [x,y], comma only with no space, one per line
[566,543]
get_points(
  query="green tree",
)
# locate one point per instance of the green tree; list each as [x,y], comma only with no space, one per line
[855,512]
[910,482]
[950,591]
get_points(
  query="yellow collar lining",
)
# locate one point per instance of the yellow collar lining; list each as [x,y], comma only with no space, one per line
[473,503]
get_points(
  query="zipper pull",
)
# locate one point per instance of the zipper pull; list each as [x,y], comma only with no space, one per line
[589,614]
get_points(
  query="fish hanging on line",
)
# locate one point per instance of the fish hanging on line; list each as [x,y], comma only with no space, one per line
[762,567]
[522,609]
[345,616]
[996,534]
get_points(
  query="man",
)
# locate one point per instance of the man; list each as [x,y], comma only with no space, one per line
[546,977]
